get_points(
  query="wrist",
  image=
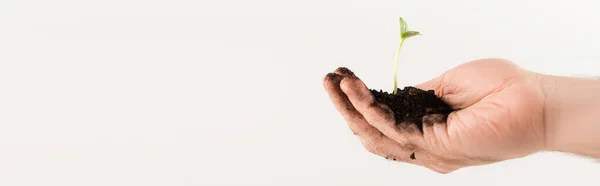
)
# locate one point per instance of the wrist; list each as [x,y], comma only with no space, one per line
[571,112]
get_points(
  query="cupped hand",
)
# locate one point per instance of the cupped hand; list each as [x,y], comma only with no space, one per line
[499,116]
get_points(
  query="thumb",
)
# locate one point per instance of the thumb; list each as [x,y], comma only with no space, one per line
[435,84]
[447,90]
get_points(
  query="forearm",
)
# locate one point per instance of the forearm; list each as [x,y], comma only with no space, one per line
[572,115]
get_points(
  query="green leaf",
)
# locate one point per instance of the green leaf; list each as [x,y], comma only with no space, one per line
[403,26]
[409,34]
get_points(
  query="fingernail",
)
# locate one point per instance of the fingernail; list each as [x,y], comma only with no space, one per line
[345,71]
[334,76]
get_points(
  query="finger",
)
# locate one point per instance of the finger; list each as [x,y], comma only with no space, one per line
[371,138]
[430,137]
[379,115]
[440,156]
[435,134]
[389,149]
[436,84]
[355,120]
[444,89]
[447,153]
[440,164]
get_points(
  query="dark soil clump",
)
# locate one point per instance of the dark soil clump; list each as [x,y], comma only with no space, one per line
[411,104]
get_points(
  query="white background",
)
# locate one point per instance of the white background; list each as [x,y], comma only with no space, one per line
[148,92]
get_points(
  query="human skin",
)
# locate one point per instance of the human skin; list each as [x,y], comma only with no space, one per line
[503,112]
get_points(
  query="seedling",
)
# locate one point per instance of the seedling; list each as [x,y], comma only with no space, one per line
[410,104]
[404,34]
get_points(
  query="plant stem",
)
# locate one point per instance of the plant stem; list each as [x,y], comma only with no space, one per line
[396,67]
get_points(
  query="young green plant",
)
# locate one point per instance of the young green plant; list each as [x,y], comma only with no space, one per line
[404,34]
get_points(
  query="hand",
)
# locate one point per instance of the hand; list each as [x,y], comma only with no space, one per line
[500,116]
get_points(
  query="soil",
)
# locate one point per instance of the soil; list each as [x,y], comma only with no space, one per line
[411,104]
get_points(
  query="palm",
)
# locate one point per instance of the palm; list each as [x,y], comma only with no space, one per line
[500,112]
